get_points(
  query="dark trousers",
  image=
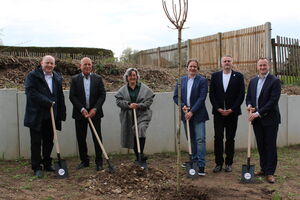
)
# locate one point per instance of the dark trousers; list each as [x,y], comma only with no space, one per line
[41,141]
[142,146]
[229,123]
[81,133]
[266,137]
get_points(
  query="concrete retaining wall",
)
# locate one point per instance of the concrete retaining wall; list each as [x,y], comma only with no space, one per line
[15,138]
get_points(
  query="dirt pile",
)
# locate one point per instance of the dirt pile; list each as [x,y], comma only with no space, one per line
[129,180]
[13,71]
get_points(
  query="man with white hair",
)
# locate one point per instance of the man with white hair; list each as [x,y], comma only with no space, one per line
[43,88]
[87,94]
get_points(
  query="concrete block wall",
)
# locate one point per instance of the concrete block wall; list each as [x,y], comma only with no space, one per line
[15,138]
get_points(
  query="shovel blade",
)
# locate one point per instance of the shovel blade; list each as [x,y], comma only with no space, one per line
[141,164]
[61,169]
[191,170]
[247,174]
[111,168]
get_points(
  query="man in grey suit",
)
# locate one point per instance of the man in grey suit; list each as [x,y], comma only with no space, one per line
[87,94]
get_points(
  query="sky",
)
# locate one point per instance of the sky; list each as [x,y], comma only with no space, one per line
[138,24]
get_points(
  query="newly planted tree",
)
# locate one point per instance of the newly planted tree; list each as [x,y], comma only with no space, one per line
[177,17]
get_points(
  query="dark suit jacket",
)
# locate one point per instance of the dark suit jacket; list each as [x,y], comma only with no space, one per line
[197,99]
[234,95]
[77,95]
[39,99]
[268,99]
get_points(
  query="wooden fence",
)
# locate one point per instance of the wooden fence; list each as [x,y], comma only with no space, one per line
[245,46]
[286,59]
[72,56]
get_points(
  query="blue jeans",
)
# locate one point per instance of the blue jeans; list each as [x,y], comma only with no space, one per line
[197,132]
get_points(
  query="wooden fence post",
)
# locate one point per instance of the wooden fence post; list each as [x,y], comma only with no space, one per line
[268,40]
[219,49]
[158,57]
[189,49]
[274,56]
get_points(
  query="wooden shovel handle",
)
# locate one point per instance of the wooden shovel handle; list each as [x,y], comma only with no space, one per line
[96,135]
[136,131]
[54,130]
[189,136]
[249,137]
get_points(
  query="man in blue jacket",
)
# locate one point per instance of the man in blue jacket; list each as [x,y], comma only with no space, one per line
[43,88]
[262,100]
[194,90]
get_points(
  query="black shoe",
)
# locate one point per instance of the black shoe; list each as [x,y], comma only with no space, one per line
[217,168]
[82,165]
[49,168]
[144,158]
[99,167]
[38,173]
[228,168]
[201,171]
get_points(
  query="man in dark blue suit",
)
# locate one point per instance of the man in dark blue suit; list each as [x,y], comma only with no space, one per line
[227,93]
[194,90]
[43,87]
[262,102]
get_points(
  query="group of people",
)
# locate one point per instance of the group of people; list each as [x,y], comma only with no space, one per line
[226,94]
[43,88]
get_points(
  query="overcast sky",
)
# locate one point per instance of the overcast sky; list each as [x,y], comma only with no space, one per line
[139,24]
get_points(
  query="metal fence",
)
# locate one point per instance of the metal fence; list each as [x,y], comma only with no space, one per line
[286,59]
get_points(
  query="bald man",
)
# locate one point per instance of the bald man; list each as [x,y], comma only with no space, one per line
[87,94]
[43,87]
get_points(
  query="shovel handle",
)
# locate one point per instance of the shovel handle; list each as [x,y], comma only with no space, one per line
[249,138]
[188,136]
[136,131]
[54,131]
[99,141]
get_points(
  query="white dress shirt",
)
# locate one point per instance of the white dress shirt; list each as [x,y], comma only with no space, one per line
[48,78]
[226,78]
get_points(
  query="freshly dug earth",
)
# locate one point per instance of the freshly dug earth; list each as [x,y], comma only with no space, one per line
[13,71]
[158,182]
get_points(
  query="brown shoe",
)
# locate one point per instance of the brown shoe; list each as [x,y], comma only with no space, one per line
[259,173]
[270,178]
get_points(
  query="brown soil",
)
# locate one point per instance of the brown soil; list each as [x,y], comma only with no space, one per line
[13,71]
[157,182]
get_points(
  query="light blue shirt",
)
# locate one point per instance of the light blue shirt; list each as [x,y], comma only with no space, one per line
[260,84]
[189,90]
[87,87]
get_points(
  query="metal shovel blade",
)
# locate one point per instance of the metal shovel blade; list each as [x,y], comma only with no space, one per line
[111,168]
[191,170]
[141,164]
[247,174]
[61,169]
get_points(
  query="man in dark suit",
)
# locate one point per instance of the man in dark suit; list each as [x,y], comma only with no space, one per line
[87,95]
[262,102]
[43,88]
[194,90]
[227,93]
